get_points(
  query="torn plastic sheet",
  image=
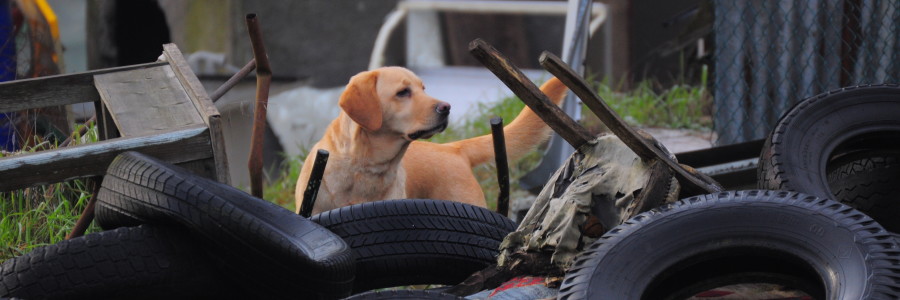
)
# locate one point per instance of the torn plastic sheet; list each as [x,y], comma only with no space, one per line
[596,183]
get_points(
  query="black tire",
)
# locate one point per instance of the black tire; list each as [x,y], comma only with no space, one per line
[128,263]
[819,246]
[869,182]
[404,294]
[265,248]
[417,241]
[819,129]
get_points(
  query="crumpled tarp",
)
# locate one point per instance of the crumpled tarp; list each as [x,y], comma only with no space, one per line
[599,180]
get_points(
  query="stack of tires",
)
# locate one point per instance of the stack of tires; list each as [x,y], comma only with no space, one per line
[842,145]
[171,234]
[174,235]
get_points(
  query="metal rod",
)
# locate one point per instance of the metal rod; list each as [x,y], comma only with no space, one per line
[640,145]
[263,80]
[312,186]
[87,216]
[502,165]
[225,87]
[497,63]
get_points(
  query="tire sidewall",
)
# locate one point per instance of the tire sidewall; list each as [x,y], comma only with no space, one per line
[625,263]
[804,139]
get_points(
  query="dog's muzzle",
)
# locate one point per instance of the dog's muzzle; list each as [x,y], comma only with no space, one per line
[428,133]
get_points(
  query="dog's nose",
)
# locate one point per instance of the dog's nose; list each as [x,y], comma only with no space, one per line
[442,108]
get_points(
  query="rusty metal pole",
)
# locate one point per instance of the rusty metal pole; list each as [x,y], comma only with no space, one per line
[87,216]
[225,87]
[502,165]
[263,80]
[312,185]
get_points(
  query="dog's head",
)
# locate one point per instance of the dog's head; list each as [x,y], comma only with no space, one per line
[393,99]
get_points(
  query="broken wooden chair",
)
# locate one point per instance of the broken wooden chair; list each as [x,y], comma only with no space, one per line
[608,180]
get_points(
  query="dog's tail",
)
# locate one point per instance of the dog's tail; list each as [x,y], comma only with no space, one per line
[522,135]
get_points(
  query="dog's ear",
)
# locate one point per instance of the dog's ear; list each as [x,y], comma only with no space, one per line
[360,100]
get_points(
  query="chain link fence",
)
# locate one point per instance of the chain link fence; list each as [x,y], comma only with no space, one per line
[770,54]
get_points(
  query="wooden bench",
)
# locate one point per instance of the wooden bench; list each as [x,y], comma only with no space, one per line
[159,109]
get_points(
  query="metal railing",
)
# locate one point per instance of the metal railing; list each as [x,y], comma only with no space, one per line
[404,8]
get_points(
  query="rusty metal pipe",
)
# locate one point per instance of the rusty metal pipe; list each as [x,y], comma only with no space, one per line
[263,80]
[87,216]
[502,165]
[225,87]
[312,185]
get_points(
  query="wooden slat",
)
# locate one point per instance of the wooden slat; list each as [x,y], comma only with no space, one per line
[92,159]
[146,101]
[217,140]
[204,105]
[189,80]
[562,124]
[55,90]
[106,128]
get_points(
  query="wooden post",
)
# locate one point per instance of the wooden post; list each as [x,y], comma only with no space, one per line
[497,63]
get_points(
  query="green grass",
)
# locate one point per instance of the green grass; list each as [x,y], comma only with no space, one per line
[649,105]
[43,215]
[281,191]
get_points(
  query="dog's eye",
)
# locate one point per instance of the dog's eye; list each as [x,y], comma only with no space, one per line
[404,93]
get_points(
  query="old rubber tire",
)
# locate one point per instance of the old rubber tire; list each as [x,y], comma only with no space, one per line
[265,248]
[822,128]
[417,241]
[405,294]
[869,182]
[129,263]
[819,246]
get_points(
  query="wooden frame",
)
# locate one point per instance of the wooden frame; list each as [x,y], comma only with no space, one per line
[195,141]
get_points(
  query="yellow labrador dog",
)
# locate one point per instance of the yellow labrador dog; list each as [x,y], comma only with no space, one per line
[374,154]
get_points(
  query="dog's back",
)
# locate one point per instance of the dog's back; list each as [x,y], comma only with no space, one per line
[444,171]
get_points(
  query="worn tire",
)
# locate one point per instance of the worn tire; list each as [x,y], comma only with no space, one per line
[130,262]
[267,249]
[417,241]
[819,129]
[820,246]
[869,182]
[404,294]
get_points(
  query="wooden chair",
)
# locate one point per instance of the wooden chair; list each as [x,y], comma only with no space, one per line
[159,109]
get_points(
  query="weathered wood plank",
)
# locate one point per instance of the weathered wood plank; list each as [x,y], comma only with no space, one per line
[106,128]
[497,63]
[146,101]
[92,159]
[217,139]
[204,105]
[55,90]
[190,82]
